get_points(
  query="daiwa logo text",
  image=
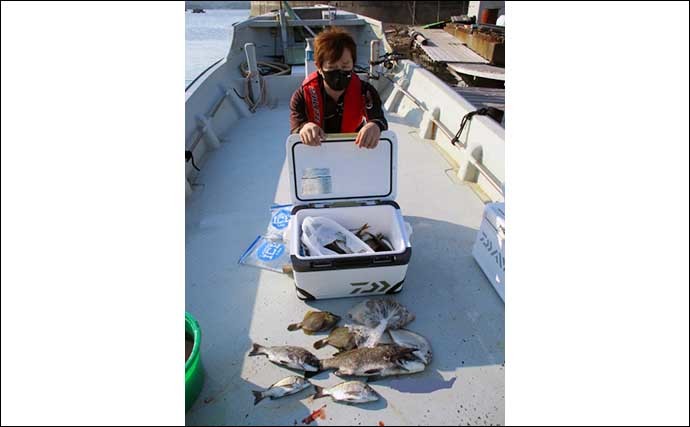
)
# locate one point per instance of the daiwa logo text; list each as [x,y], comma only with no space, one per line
[381,286]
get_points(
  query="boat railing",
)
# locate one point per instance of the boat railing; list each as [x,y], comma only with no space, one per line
[204,130]
[201,74]
[490,177]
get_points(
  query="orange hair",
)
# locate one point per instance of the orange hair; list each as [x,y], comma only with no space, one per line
[330,44]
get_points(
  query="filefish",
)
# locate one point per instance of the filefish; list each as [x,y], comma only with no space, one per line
[289,357]
[348,392]
[409,339]
[285,387]
[362,362]
[349,337]
[315,321]
[341,338]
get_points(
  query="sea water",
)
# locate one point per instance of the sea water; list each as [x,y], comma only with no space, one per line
[207,38]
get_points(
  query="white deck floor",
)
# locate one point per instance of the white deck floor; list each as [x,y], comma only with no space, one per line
[456,307]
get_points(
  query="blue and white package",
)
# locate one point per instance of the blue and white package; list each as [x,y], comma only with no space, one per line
[280,219]
[266,253]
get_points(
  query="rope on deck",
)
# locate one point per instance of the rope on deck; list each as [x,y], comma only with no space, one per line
[494,113]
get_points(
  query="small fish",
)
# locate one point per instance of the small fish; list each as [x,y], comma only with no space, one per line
[339,247]
[349,337]
[315,321]
[289,357]
[384,242]
[285,387]
[348,392]
[378,242]
[409,339]
[319,413]
[341,338]
[362,362]
[361,230]
[338,244]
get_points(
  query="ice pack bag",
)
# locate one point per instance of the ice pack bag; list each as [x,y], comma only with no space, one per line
[267,253]
[280,219]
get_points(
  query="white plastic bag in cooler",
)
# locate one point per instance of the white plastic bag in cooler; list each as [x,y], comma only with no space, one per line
[317,232]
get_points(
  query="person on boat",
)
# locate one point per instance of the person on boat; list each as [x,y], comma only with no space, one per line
[333,99]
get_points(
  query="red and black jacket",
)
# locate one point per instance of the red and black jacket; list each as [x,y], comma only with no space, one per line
[360,104]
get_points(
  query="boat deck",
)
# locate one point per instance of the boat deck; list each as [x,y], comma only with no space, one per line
[457,309]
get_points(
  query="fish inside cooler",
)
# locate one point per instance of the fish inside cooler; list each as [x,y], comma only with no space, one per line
[384,222]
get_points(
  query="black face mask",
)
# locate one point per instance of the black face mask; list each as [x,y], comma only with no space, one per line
[337,79]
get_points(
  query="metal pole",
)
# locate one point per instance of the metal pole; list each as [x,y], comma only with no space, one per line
[373,55]
[440,125]
[294,16]
[283,30]
[253,77]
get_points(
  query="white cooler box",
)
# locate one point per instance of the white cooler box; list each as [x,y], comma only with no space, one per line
[489,248]
[351,186]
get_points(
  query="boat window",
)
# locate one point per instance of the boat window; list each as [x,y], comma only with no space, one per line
[301,34]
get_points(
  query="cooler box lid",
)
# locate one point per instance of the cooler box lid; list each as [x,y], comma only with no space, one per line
[338,170]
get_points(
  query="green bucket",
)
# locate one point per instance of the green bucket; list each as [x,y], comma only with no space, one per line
[193,369]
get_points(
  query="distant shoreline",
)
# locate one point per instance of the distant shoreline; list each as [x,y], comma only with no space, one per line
[217,5]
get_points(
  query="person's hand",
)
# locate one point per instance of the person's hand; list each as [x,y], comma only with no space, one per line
[312,134]
[368,136]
